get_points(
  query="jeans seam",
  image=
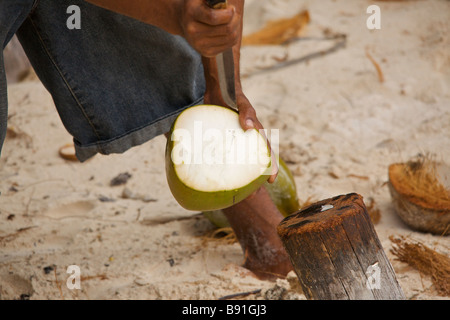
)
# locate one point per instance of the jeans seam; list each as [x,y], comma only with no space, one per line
[35,3]
[63,78]
[9,35]
[103,142]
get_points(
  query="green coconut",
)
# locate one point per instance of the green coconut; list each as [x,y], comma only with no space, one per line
[283,193]
[211,162]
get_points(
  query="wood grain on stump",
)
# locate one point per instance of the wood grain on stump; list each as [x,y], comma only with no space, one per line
[336,253]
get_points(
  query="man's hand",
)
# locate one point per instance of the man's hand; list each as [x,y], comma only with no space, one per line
[247,114]
[210,31]
[248,120]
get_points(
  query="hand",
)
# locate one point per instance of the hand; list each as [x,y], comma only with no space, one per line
[247,120]
[210,31]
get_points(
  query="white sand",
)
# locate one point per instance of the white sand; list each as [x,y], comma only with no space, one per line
[334,116]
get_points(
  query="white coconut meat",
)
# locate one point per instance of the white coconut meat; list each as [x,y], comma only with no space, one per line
[211,151]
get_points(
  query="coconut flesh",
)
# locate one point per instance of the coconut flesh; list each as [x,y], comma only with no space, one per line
[211,162]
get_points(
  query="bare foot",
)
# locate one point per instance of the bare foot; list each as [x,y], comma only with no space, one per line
[254,221]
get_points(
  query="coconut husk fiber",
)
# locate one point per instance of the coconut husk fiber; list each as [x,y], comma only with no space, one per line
[279,31]
[426,260]
[419,197]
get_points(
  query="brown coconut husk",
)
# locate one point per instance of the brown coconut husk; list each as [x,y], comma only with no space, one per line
[224,236]
[419,198]
[426,260]
[374,212]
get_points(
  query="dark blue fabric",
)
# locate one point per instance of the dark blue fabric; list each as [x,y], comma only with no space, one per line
[12,14]
[116,82]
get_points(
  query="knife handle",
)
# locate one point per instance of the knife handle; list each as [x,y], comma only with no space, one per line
[217,4]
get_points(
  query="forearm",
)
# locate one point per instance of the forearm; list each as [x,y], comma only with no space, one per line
[164,14]
[168,15]
[210,66]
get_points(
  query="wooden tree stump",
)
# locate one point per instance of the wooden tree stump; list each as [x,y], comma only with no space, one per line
[336,252]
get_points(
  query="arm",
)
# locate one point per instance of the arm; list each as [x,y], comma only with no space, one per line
[213,93]
[163,14]
[247,114]
[209,31]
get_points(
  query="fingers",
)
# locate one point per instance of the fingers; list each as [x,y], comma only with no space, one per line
[247,115]
[213,17]
[273,164]
[211,47]
[210,31]
[274,168]
[248,120]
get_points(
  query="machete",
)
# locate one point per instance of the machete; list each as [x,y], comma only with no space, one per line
[225,65]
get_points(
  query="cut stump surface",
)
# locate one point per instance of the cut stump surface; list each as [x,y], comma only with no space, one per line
[336,252]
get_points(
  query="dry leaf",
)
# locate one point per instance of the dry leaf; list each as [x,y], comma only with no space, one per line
[67,152]
[279,31]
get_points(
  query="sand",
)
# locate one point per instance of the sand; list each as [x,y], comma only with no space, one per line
[340,128]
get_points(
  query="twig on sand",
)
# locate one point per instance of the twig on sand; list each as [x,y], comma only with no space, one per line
[164,220]
[58,284]
[240,294]
[13,235]
[341,40]
[29,202]
[377,67]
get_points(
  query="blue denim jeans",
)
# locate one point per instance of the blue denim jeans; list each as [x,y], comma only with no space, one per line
[116,82]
